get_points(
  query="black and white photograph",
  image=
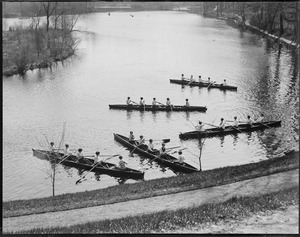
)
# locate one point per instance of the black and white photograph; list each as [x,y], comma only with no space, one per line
[137,117]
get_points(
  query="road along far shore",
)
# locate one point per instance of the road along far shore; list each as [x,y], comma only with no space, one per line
[250,187]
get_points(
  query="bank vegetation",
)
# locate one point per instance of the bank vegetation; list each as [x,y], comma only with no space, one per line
[50,37]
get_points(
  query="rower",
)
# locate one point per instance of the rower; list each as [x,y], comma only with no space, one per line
[131,138]
[180,158]
[168,102]
[182,77]
[154,102]
[249,120]
[208,79]
[142,102]
[66,150]
[141,141]
[128,101]
[122,163]
[192,79]
[200,80]
[224,83]
[96,157]
[79,155]
[187,103]
[200,127]
[235,122]
[162,150]
[261,118]
[51,147]
[222,124]
[151,146]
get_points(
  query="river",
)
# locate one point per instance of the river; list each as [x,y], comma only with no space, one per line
[122,55]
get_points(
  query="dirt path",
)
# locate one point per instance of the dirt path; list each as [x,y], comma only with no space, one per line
[251,187]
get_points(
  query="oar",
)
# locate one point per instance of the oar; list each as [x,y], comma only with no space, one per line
[79,180]
[99,155]
[160,103]
[135,102]
[210,124]
[64,159]
[211,84]
[262,124]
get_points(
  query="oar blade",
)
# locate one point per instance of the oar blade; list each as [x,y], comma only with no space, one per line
[166,140]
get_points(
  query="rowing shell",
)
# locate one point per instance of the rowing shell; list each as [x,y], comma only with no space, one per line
[203,84]
[87,164]
[158,108]
[166,159]
[211,132]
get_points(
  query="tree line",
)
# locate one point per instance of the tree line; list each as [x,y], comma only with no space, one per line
[279,18]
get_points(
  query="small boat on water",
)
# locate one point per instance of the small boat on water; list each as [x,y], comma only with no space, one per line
[211,132]
[165,159]
[88,163]
[203,84]
[158,108]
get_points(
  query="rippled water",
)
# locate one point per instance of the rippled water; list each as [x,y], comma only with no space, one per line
[122,56]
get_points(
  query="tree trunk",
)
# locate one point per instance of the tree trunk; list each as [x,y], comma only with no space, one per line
[281,25]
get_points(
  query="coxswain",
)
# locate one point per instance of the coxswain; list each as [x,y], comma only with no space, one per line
[66,150]
[131,138]
[128,101]
[260,119]
[151,146]
[122,163]
[79,155]
[180,157]
[162,150]
[97,157]
[249,120]
[51,147]
[142,101]
[154,102]
[235,122]
[187,103]
[200,126]
[222,124]
[182,77]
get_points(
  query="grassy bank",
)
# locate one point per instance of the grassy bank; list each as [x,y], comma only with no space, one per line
[170,221]
[151,188]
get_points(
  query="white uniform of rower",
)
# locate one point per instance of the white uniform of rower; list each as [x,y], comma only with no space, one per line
[235,122]
[67,150]
[180,158]
[192,78]
[200,127]
[200,80]
[96,157]
[51,147]
[187,103]
[142,101]
[182,76]
[249,120]
[154,102]
[222,124]
[151,145]
[168,102]
[128,101]
[141,140]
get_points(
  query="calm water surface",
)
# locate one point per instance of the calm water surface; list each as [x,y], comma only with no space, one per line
[122,56]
